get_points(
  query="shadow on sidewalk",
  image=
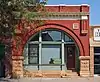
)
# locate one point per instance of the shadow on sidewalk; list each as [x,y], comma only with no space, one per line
[4,80]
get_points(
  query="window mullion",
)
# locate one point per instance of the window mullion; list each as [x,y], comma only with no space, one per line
[62,50]
[40,49]
[26,55]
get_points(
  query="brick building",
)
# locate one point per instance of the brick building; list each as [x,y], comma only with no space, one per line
[58,48]
[95,49]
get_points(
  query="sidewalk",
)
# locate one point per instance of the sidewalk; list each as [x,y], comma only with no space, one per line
[72,79]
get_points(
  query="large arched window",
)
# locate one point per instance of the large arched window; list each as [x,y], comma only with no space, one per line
[45,50]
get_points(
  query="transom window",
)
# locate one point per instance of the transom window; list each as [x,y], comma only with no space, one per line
[50,35]
[45,50]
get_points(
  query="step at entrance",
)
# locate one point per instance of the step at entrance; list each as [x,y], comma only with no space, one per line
[52,74]
[70,73]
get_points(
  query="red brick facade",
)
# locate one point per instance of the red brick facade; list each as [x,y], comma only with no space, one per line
[81,38]
[80,34]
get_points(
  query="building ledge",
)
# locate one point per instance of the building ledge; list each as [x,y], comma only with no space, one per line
[69,5]
[84,31]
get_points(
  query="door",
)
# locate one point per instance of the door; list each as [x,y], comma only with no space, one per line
[70,57]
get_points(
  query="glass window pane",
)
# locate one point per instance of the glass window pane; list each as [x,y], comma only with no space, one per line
[33,60]
[25,54]
[35,38]
[51,35]
[68,39]
[97,69]
[96,49]
[97,59]
[51,54]
[33,52]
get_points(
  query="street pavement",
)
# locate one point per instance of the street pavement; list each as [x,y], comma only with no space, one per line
[72,79]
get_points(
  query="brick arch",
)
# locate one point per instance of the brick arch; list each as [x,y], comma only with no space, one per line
[59,27]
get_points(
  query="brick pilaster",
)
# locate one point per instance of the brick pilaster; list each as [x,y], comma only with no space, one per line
[91,61]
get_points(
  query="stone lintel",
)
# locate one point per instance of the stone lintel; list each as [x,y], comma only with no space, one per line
[17,57]
[84,57]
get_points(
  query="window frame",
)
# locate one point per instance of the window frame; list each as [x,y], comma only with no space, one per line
[60,55]
[40,42]
[33,56]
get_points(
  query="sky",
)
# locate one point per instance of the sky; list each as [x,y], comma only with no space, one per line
[94,8]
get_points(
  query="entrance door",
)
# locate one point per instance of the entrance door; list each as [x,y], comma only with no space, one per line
[70,57]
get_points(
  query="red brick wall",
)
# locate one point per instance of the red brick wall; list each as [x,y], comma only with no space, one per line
[66,25]
[82,8]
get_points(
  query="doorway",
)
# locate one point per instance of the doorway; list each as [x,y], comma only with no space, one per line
[51,44]
[70,57]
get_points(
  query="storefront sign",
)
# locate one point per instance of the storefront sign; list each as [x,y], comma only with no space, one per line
[97,34]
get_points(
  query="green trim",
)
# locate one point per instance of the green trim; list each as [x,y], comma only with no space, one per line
[2,51]
[44,64]
[48,42]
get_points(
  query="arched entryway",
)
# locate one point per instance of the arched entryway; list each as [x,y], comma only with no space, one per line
[51,49]
[68,31]
[57,51]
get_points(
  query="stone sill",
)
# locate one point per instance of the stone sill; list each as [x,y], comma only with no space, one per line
[84,31]
[17,57]
[84,57]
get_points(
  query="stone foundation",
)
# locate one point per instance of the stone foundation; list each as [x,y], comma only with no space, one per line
[50,74]
[84,66]
[18,70]
[17,66]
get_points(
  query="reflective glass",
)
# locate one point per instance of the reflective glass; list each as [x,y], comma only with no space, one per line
[97,69]
[33,53]
[51,36]
[51,54]
[67,39]
[35,38]
[97,59]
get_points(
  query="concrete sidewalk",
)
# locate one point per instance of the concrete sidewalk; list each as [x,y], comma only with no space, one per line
[72,79]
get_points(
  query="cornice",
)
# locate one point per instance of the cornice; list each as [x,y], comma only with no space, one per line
[57,15]
[65,14]
[61,16]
